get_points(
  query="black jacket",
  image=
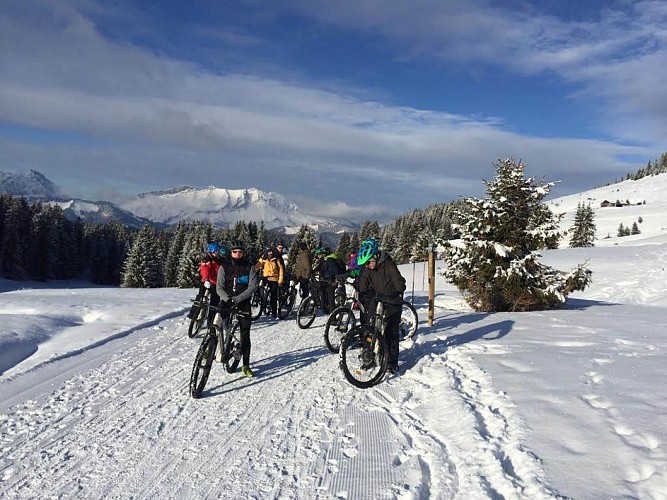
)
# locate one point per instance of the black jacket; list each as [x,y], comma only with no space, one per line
[384,281]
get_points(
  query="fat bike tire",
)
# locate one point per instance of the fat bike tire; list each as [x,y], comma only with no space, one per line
[409,321]
[232,352]
[362,365]
[256,305]
[339,323]
[202,367]
[306,313]
[286,305]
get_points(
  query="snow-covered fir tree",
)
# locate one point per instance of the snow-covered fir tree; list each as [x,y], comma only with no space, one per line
[583,227]
[194,249]
[144,265]
[496,265]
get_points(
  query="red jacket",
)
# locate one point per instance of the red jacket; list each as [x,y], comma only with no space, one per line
[208,268]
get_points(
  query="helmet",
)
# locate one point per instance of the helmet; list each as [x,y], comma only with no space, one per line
[213,248]
[236,245]
[320,251]
[367,250]
[222,252]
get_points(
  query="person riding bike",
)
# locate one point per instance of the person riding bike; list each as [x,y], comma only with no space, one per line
[382,279]
[273,272]
[237,281]
[208,271]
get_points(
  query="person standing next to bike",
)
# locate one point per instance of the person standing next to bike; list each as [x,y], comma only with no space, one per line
[237,281]
[382,279]
[273,272]
[303,270]
[328,268]
[208,271]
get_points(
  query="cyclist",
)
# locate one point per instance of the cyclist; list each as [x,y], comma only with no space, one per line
[272,272]
[237,281]
[208,272]
[382,278]
[303,270]
[328,266]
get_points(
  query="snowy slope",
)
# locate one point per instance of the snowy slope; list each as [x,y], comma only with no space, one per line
[648,201]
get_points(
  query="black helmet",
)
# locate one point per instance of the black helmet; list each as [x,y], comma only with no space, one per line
[236,245]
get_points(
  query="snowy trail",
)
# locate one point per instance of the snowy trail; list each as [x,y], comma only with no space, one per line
[123,425]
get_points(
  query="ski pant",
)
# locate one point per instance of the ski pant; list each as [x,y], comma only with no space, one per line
[304,287]
[393,321]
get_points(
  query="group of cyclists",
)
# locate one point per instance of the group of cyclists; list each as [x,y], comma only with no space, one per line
[231,279]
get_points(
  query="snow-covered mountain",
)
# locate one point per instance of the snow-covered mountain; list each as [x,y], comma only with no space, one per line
[32,185]
[98,212]
[36,187]
[642,201]
[225,207]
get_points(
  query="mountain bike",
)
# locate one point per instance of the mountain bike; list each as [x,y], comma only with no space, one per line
[363,350]
[345,318]
[286,298]
[340,293]
[222,341]
[309,306]
[201,315]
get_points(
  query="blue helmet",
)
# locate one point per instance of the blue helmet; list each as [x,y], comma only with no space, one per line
[213,248]
[368,249]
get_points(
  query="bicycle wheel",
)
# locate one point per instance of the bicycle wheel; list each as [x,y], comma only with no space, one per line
[286,304]
[409,321]
[256,304]
[202,367]
[362,362]
[340,321]
[196,323]
[232,355]
[306,313]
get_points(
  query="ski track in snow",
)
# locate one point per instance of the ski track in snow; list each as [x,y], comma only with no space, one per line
[127,427]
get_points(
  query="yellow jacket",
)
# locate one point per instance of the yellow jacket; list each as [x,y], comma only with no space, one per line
[272,269]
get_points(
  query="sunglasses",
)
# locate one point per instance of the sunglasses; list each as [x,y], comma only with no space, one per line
[237,251]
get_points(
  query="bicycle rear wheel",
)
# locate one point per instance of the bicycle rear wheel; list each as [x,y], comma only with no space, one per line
[306,313]
[340,321]
[256,304]
[409,321]
[363,362]
[202,367]
[232,354]
[286,304]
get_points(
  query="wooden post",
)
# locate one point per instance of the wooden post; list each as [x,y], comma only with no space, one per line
[431,285]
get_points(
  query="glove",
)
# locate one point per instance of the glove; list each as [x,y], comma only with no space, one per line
[207,284]
[227,304]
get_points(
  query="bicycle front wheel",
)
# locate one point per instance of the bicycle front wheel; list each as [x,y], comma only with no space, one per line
[306,313]
[196,323]
[202,367]
[256,305]
[232,355]
[286,304]
[409,321]
[362,360]
[340,321]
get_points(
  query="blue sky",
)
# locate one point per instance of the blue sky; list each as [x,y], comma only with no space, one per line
[355,108]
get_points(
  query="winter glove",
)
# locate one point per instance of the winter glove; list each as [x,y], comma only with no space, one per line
[207,284]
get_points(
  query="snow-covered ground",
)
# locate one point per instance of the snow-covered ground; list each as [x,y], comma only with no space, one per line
[567,403]
[94,396]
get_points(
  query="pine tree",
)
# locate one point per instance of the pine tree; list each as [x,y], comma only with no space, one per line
[174,255]
[369,229]
[621,230]
[583,228]
[635,229]
[143,267]
[194,249]
[496,267]
[344,249]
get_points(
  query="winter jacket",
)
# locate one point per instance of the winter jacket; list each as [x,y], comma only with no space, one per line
[208,268]
[385,280]
[303,267]
[237,280]
[271,268]
[329,267]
